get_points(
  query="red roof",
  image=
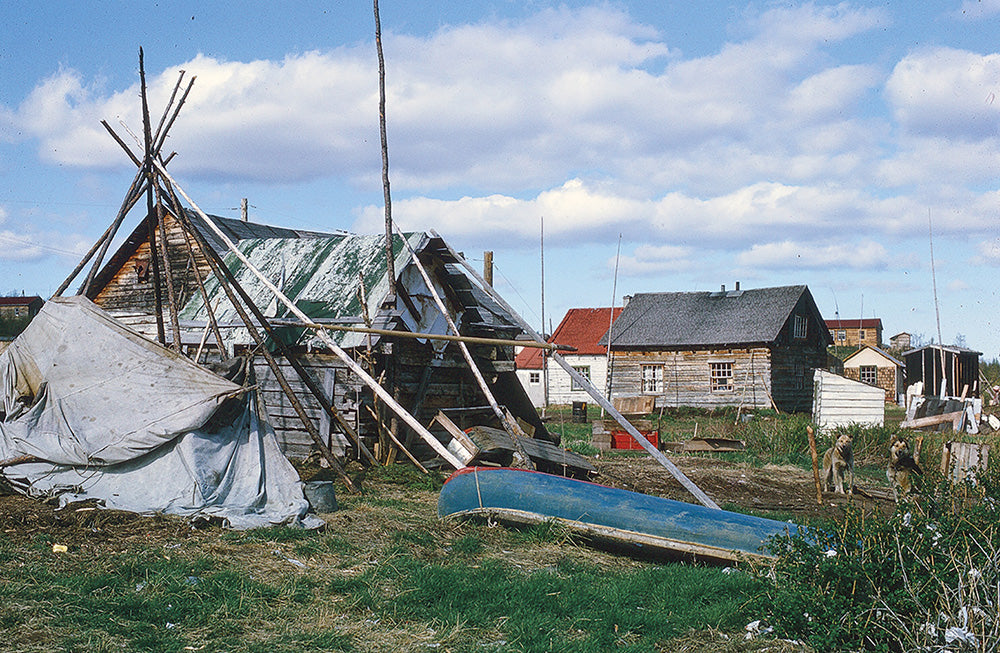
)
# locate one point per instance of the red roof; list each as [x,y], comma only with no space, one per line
[20,301]
[582,328]
[866,323]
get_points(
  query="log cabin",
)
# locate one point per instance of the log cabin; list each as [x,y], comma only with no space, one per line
[753,348]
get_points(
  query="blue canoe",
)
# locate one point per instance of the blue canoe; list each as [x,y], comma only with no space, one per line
[651,524]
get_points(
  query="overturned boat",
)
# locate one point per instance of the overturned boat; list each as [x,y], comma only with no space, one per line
[640,522]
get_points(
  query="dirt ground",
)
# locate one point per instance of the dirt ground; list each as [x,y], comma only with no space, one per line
[786,490]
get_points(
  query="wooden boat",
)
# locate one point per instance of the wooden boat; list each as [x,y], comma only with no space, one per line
[649,524]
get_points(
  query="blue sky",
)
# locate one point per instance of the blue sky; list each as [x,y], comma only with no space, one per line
[766,143]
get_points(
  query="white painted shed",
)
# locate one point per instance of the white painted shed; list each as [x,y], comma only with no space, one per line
[839,401]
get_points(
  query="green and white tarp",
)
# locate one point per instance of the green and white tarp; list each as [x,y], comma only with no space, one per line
[112,416]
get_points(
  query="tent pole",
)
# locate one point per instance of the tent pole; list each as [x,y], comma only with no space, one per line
[592,391]
[334,347]
[509,424]
[225,276]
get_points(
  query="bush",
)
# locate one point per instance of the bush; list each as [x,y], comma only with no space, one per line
[921,578]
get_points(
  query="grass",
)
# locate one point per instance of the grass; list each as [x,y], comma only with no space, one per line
[374,580]
[387,575]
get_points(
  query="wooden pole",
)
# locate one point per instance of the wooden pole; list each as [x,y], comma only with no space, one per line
[150,215]
[224,277]
[815,460]
[488,267]
[598,396]
[476,340]
[351,364]
[389,256]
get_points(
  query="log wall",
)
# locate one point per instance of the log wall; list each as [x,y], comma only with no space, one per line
[687,376]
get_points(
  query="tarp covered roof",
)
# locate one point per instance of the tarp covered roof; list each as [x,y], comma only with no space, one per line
[110,415]
[321,275]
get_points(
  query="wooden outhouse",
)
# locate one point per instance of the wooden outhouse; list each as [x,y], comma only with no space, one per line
[960,370]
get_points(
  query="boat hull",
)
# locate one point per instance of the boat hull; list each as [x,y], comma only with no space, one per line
[651,524]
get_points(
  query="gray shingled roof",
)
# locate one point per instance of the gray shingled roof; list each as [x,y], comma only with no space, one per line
[706,318]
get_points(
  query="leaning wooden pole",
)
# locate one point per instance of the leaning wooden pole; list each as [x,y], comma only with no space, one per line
[389,256]
[351,364]
[508,422]
[227,283]
[224,275]
[150,215]
[597,395]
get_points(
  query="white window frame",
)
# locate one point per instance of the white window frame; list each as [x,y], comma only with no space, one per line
[870,371]
[721,376]
[651,379]
[534,378]
[584,371]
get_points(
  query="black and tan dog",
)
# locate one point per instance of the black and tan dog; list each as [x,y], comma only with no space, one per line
[901,465]
[838,466]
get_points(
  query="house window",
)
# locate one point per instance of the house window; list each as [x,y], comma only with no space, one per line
[800,326]
[584,371]
[534,378]
[722,377]
[861,335]
[652,379]
[841,335]
[869,374]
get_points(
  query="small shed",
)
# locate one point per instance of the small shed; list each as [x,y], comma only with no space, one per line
[878,368]
[961,370]
[838,401]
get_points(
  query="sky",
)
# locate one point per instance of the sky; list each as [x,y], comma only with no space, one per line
[640,146]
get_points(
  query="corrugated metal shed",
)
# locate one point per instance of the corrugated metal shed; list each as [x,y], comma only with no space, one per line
[839,401]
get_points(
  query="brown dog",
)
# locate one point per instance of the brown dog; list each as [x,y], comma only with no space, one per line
[838,466]
[901,465]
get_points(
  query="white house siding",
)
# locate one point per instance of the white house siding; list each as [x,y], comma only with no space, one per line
[839,401]
[560,387]
[535,391]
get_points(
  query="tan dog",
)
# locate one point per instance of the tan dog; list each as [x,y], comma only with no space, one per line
[901,465]
[838,466]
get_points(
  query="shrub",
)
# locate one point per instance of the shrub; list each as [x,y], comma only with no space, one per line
[921,578]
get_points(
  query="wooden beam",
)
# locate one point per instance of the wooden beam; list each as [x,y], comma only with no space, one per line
[591,390]
[351,364]
[501,342]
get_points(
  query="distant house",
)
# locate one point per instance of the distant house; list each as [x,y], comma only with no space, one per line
[581,328]
[961,370]
[19,307]
[15,314]
[900,341]
[855,333]
[742,347]
[877,368]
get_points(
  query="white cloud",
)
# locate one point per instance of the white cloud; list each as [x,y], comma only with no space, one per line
[787,254]
[943,92]
[497,107]
[650,260]
[978,9]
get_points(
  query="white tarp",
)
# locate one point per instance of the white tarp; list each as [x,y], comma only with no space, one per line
[118,418]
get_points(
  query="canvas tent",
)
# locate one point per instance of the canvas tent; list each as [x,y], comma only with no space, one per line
[92,410]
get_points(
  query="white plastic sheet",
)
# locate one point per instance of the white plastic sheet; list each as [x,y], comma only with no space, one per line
[118,418]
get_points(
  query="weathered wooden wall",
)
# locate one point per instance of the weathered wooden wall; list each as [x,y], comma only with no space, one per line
[132,301]
[687,376]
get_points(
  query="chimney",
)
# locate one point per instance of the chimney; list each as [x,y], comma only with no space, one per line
[488,268]
[243,210]
[737,286]
[723,287]
[625,300]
